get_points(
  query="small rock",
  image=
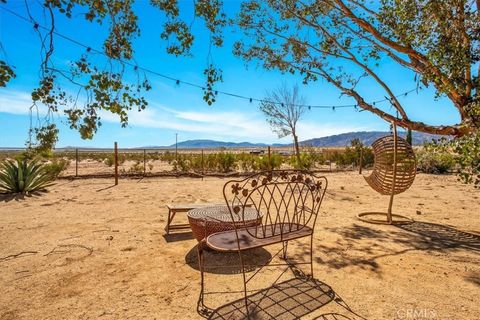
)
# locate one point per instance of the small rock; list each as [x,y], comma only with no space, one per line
[109,238]
[419,212]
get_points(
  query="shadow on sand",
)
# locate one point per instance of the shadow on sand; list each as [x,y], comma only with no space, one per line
[366,244]
[228,263]
[7,197]
[290,299]
[178,236]
[443,237]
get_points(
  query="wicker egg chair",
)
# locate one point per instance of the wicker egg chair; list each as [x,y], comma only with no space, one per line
[393,172]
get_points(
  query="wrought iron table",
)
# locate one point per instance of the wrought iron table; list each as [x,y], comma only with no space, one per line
[208,220]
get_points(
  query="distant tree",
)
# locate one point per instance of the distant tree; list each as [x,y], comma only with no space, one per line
[283,107]
[358,149]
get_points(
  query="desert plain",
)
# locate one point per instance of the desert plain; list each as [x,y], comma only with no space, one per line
[89,250]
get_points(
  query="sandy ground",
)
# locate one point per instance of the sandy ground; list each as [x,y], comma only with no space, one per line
[92,167]
[88,250]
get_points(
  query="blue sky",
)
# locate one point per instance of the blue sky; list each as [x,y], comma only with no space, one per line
[181,109]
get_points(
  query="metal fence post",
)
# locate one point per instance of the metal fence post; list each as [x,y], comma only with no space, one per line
[116,162]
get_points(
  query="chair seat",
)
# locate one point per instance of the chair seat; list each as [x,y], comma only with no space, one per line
[226,241]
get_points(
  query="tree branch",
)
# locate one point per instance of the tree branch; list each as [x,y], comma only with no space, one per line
[408,50]
[454,130]
[354,59]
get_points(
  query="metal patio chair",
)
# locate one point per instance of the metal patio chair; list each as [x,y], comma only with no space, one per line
[287,204]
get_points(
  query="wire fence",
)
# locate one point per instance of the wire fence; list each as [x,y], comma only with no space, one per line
[119,163]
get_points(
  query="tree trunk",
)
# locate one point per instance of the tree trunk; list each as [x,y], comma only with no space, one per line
[297,150]
[409,136]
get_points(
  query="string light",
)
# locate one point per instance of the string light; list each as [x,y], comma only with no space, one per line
[178,81]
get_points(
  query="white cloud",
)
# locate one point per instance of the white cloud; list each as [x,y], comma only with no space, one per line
[248,125]
[310,130]
[235,125]
[15,102]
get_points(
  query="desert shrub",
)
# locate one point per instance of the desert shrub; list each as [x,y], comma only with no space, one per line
[210,162]
[368,157]
[195,163]
[154,155]
[311,157]
[23,176]
[181,164]
[307,161]
[56,166]
[136,168]
[109,160]
[168,157]
[430,161]
[350,156]
[466,153]
[247,162]
[226,162]
[318,158]
[263,162]
[243,162]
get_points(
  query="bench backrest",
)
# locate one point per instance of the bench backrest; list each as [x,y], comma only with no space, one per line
[285,201]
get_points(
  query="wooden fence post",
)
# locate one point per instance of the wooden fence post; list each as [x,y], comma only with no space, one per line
[76,162]
[361,161]
[203,170]
[269,159]
[116,162]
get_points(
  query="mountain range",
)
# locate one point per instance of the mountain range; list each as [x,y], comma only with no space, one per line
[338,140]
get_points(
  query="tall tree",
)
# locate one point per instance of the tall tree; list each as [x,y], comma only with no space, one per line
[344,41]
[283,107]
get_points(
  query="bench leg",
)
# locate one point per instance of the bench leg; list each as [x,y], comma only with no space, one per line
[284,249]
[171,214]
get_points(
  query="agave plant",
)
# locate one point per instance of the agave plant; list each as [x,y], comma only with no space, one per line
[23,176]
